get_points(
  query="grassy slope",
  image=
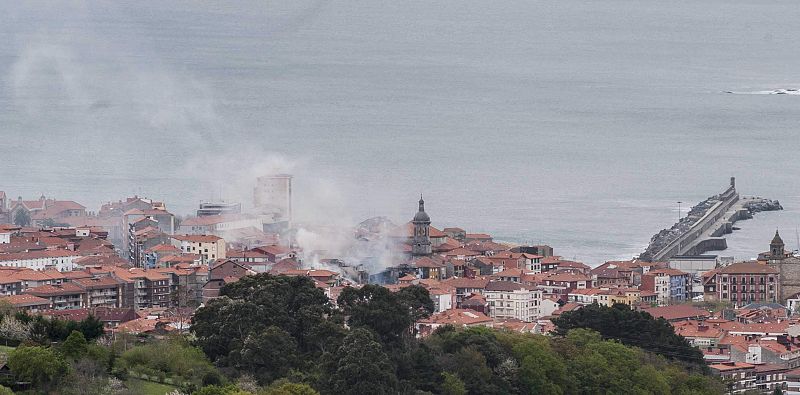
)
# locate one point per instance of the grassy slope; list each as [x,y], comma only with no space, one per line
[149,387]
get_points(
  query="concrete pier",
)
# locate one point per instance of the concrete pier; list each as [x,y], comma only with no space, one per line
[698,235]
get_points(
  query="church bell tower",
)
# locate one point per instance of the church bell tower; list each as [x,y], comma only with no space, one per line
[777,249]
[421,242]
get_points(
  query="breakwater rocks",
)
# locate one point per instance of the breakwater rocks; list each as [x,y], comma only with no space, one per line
[758,205]
[665,237]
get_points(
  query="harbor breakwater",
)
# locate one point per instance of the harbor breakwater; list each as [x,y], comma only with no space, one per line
[703,227]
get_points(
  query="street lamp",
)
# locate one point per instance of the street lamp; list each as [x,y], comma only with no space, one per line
[679,210]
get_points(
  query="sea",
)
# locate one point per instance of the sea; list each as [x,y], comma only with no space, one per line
[579,124]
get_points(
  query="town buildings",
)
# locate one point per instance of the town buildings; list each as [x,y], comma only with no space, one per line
[510,300]
[670,285]
[209,247]
[743,283]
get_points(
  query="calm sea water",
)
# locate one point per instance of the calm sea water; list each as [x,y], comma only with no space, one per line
[579,124]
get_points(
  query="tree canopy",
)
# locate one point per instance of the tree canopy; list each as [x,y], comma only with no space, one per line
[388,314]
[634,328]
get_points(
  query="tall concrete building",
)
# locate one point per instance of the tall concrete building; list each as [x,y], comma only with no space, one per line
[273,196]
[421,242]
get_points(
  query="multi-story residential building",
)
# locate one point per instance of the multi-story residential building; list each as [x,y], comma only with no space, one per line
[143,288]
[743,283]
[508,300]
[101,291]
[670,285]
[132,221]
[223,272]
[187,283]
[10,285]
[29,303]
[61,260]
[740,377]
[208,246]
[584,296]
[61,296]
[562,283]
[466,286]
[142,241]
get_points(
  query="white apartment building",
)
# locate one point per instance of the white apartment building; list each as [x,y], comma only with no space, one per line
[207,246]
[509,300]
[61,260]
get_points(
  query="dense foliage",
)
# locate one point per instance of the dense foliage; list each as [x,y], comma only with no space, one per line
[366,344]
[634,328]
[276,335]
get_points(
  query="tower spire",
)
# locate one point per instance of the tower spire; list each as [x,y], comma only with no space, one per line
[421,239]
[777,246]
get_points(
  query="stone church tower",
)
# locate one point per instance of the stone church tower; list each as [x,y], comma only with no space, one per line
[777,249]
[788,267]
[421,242]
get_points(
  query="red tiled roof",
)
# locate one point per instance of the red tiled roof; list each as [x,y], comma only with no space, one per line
[427,262]
[722,367]
[677,312]
[53,290]
[464,282]
[197,238]
[457,317]
[747,268]
[25,300]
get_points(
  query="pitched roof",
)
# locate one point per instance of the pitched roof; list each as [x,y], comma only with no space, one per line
[748,268]
[457,317]
[504,286]
[464,282]
[197,238]
[427,262]
[677,312]
[53,290]
[24,300]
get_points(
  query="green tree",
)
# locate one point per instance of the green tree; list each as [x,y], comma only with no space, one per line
[452,385]
[173,358]
[38,365]
[634,328]
[75,346]
[289,389]
[360,366]
[6,391]
[390,315]
[91,327]
[269,354]
[254,303]
[22,218]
